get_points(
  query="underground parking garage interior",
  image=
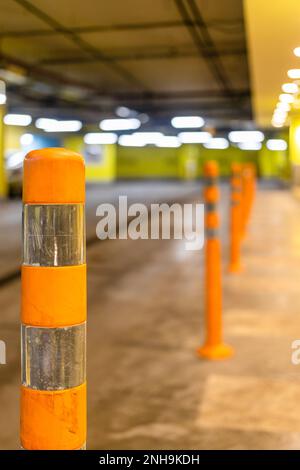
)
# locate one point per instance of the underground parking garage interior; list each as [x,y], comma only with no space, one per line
[149,229]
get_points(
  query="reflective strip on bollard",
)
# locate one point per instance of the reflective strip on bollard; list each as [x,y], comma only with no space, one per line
[53,235]
[53,358]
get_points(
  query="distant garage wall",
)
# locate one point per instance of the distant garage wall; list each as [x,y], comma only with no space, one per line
[147,162]
[185,162]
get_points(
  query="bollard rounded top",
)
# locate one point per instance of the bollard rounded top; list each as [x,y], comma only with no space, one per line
[236,168]
[54,176]
[211,169]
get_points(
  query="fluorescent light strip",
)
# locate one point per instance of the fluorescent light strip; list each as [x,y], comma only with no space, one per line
[249,145]
[194,137]
[119,124]
[94,138]
[17,119]
[246,136]
[294,73]
[276,144]
[290,88]
[168,142]
[286,98]
[217,143]
[187,122]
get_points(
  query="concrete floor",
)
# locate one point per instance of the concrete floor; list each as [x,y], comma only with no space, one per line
[147,388]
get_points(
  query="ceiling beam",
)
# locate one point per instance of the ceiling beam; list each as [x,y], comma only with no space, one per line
[200,35]
[168,53]
[214,24]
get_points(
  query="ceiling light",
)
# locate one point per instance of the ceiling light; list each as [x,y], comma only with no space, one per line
[17,119]
[130,141]
[246,136]
[297,51]
[42,123]
[188,122]
[26,139]
[294,73]
[194,137]
[249,145]
[290,88]
[286,98]
[149,137]
[123,112]
[277,123]
[2,98]
[94,138]
[282,106]
[63,126]
[217,143]
[168,141]
[119,124]
[276,144]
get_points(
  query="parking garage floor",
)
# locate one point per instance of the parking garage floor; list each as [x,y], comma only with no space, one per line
[147,388]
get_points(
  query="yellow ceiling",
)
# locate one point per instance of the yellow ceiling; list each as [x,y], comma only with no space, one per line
[273,31]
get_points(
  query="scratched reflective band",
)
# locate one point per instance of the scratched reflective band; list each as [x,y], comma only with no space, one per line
[210,206]
[53,358]
[211,233]
[53,234]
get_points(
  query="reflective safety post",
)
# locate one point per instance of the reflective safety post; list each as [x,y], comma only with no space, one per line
[214,348]
[236,218]
[53,307]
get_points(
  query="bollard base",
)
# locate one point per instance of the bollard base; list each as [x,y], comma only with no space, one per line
[220,351]
[235,268]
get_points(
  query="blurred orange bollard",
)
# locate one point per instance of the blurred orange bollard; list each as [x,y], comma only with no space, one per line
[53,307]
[252,169]
[214,348]
[236,218]
[248,185]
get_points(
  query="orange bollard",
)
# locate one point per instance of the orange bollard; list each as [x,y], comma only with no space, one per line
[53,306]
[248,180]
[214,348]
[236,218]
[252,190]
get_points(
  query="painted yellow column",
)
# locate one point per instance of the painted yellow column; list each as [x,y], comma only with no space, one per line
[100,160]
[104,168]
[3,179]
[294,150]
[188,161]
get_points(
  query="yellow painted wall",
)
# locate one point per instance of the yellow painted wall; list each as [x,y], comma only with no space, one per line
[105,170]
[273,163]
[294,140]
[147,162]
[185,162]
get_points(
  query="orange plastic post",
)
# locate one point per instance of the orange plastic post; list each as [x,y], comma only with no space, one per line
[248,183]
[53,305]
[236,218]
[252,190]
[214,348]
